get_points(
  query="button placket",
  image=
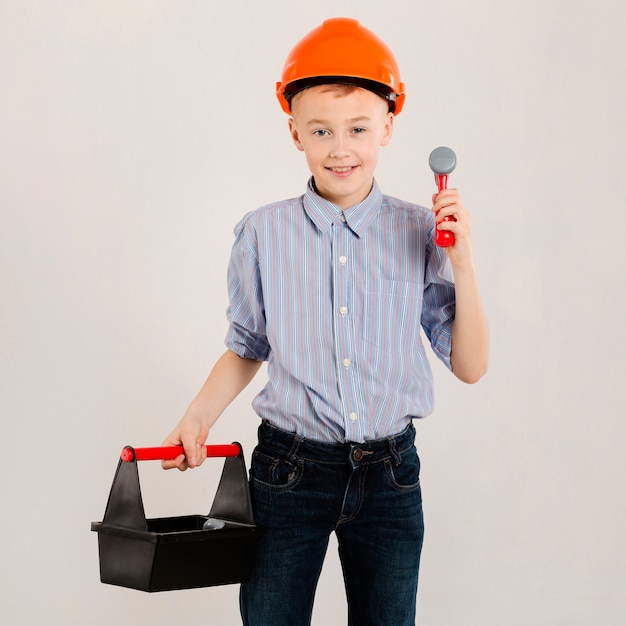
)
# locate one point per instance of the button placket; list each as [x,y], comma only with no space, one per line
[348,370]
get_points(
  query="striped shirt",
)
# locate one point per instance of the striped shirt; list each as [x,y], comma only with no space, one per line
[334,301]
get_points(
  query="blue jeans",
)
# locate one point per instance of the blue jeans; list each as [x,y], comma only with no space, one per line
[368,494]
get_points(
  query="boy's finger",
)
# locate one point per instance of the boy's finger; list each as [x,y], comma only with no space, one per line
[194,453]
[177,463]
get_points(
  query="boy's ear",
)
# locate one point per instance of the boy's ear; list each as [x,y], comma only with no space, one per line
[387,130]
[293,131]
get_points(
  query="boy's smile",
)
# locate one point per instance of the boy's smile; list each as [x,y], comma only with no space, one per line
[340,131]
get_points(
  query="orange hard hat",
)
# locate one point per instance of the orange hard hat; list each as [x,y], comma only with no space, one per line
[341,51]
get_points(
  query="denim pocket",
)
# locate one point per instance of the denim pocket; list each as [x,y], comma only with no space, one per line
[275,473]
[404,476]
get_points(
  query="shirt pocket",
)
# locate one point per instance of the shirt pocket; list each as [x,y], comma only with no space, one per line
[391,315]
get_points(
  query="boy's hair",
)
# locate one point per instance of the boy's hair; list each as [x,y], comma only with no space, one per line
[339,89]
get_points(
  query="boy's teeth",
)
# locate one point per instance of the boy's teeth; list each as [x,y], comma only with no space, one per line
[341,169]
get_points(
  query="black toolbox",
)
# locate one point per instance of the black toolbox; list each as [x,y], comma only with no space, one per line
[170,553]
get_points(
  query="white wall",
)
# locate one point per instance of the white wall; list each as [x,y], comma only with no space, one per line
[134,135]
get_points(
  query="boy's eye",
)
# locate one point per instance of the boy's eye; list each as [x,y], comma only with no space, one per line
[320,132]
[358,130]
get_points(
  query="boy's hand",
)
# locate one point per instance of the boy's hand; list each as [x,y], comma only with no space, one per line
[448,203]
[191,433]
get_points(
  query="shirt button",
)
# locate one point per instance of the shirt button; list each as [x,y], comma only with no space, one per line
[343,260]
[347,362]
[353,416]
[343,310]
[342,217]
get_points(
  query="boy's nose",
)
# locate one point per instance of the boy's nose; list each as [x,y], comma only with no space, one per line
[339,149]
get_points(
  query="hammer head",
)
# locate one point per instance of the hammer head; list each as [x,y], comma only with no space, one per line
[442,160]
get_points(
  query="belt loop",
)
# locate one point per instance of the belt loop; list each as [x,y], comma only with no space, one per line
[295,446]
[397,459]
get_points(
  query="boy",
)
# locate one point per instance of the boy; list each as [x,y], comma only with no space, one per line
[331,289]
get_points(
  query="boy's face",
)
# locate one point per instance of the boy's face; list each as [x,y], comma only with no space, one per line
[340,134]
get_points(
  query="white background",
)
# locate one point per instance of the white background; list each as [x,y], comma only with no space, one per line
[135,134]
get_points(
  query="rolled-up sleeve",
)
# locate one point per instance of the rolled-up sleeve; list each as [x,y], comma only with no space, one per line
[246,334]
[439,303]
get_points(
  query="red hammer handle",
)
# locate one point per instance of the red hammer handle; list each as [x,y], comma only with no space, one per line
[163,453]
[443,238]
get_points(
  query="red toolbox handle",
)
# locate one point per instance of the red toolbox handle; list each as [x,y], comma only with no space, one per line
[164,453]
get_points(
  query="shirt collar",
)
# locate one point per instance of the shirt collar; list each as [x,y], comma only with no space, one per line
[358,217]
